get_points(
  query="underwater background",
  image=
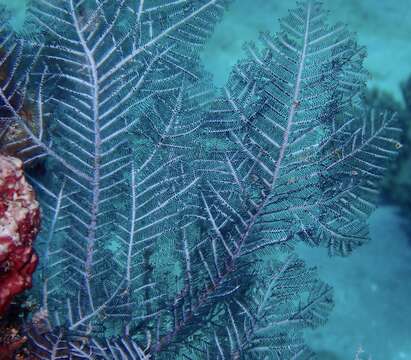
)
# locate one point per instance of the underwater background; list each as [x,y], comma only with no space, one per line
[373,285]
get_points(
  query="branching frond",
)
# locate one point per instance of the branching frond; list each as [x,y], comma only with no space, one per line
[167,209]
[355,156]
[111,62]
[22,119]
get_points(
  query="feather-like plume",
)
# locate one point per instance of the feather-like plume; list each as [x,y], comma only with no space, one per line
[106,78]
[168,209]
[22,121]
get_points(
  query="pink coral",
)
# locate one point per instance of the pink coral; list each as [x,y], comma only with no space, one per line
[19,225]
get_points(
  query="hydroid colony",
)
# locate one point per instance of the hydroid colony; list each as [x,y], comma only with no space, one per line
[171,209]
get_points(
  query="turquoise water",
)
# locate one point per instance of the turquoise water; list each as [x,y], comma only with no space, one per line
[17,8]
[372,294]
[383,26]
[372,286]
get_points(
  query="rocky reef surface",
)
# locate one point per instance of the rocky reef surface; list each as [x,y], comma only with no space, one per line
[19,225]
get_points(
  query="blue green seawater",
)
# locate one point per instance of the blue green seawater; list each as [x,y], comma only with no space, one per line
[373,286]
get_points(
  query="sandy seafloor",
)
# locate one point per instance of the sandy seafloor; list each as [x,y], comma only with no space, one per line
[373,286]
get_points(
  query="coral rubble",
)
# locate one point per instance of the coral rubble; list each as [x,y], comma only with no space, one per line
[13,342]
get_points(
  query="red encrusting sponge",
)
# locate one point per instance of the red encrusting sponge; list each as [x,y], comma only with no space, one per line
[19,225]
